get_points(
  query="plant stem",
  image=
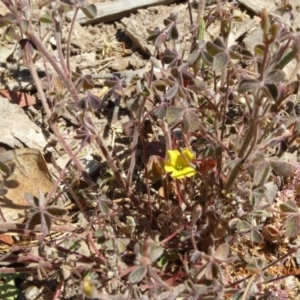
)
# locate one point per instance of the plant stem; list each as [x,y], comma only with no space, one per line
[53,126]
[68,84]
[247,141]
[69,38]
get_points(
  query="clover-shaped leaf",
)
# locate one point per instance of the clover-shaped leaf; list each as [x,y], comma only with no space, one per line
[138,274]
[220,61]
[42,214]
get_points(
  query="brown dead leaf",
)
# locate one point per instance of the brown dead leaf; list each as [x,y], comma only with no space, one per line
[29,173]
[6,239]
[20,98]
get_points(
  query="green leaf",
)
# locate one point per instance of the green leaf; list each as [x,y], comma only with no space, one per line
[243,226]
[8,287]
[270,90]
[213,49]
[46,18]
[24,24]
[138,274]
[211,270]
[286,60]
[259,50]
[163,261]
[247,55]
[262,172]
[56,211]
[90,11]
[103,207]
[4,169]
[174,114]
[256,237]
[292,226]
[156,252]
[289,206]
[122,244]
[207,58]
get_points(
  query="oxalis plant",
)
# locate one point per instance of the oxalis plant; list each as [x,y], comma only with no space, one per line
[217,127]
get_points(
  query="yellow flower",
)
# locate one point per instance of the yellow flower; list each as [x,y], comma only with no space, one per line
[179,164]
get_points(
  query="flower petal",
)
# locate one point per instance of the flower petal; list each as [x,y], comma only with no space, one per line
[169,167]
[186,172]
[173,156]
[188,154]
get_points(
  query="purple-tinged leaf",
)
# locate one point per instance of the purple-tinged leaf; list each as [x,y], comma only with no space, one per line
[248,84]
[89,102]
[174,33]
[3,191]
[153,34]
[296,45]
[42,199]
[191,121]
[275,76]
[45,224]
[194,56]
[160,40]
[159,112]
[197,85]
[33,201]
[222,252]
[282,168]
[171,56]
[220,62]
[171,92]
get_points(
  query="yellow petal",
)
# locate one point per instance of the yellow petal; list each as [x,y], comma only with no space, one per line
[173,156]
[169,167]
[188,154]
[186,172]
